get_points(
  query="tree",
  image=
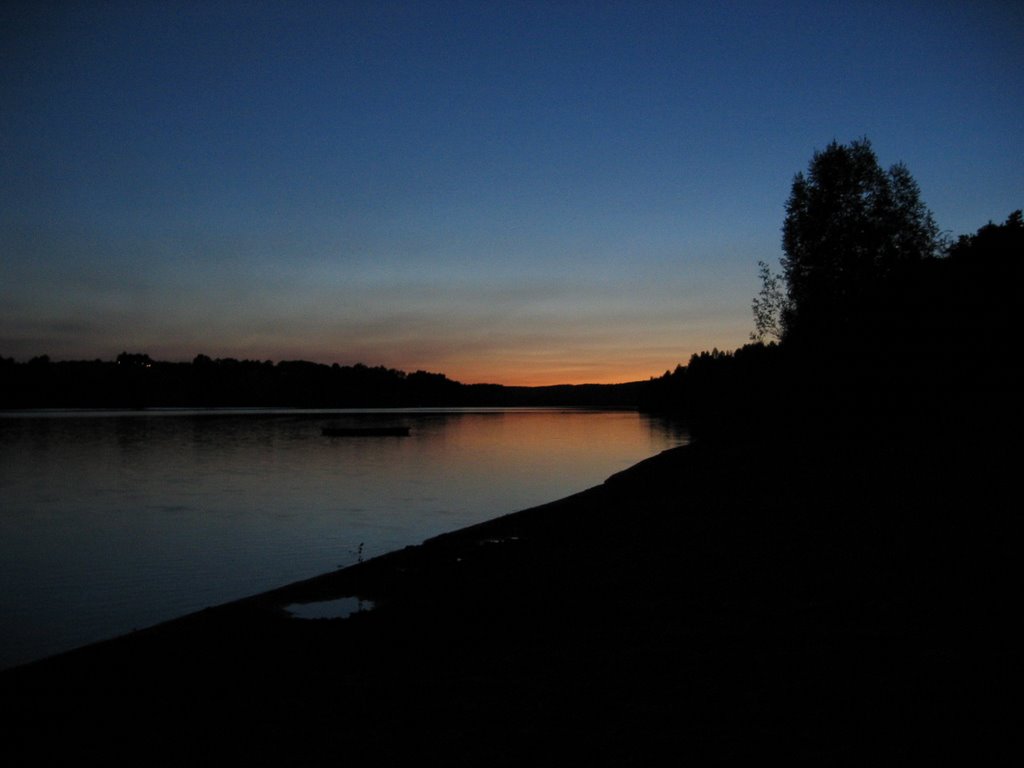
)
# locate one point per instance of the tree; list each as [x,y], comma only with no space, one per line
[993,244]
[850,228]
[770,307]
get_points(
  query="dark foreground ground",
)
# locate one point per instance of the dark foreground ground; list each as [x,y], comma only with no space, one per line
[835,599]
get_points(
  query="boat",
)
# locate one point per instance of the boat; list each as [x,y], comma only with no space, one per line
[365,431]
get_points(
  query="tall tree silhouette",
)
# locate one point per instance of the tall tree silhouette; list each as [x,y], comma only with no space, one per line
[851,227]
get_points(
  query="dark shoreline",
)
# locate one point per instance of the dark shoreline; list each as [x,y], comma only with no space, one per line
[822,599]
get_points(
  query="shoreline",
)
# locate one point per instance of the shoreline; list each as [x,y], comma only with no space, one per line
[97,548]
[692,601]
[368,577]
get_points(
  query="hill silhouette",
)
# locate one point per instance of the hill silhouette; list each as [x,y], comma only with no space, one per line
[134,380]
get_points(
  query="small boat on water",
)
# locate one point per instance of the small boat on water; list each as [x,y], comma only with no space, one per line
[365,431]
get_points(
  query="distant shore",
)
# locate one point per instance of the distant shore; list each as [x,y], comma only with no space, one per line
[724,600]
[134,380]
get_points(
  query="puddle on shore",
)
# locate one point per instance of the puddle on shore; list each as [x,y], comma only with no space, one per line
[503,540]
[341,608]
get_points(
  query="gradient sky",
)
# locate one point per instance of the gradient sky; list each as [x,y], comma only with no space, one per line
[519,192]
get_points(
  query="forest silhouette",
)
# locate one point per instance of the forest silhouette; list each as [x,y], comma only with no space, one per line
[136,381]
[875,321]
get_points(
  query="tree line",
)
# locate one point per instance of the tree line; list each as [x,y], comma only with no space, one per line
[875,317]
[135,380]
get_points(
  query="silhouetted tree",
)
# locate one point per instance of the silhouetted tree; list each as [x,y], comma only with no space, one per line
[850,227]
[770,307]
[993,243]
[978,291]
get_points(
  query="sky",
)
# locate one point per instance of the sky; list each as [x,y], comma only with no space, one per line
[512,192]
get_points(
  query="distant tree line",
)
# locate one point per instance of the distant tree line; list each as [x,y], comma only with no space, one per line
[135,380]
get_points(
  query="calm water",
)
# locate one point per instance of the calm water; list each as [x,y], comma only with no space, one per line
[115,521]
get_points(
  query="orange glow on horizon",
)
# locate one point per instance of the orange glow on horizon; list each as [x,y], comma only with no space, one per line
[570,375]
[551,378]
[608,363]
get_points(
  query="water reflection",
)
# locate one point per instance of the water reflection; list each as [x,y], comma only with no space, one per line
[117,522]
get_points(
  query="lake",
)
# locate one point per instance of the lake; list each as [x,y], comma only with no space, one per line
[113,521]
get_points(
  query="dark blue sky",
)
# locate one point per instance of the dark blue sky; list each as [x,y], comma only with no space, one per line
[524,192]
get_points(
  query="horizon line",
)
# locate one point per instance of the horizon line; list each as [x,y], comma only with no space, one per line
[44,357]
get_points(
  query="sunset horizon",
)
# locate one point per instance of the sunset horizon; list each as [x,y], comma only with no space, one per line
[467,373]
[533,194]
